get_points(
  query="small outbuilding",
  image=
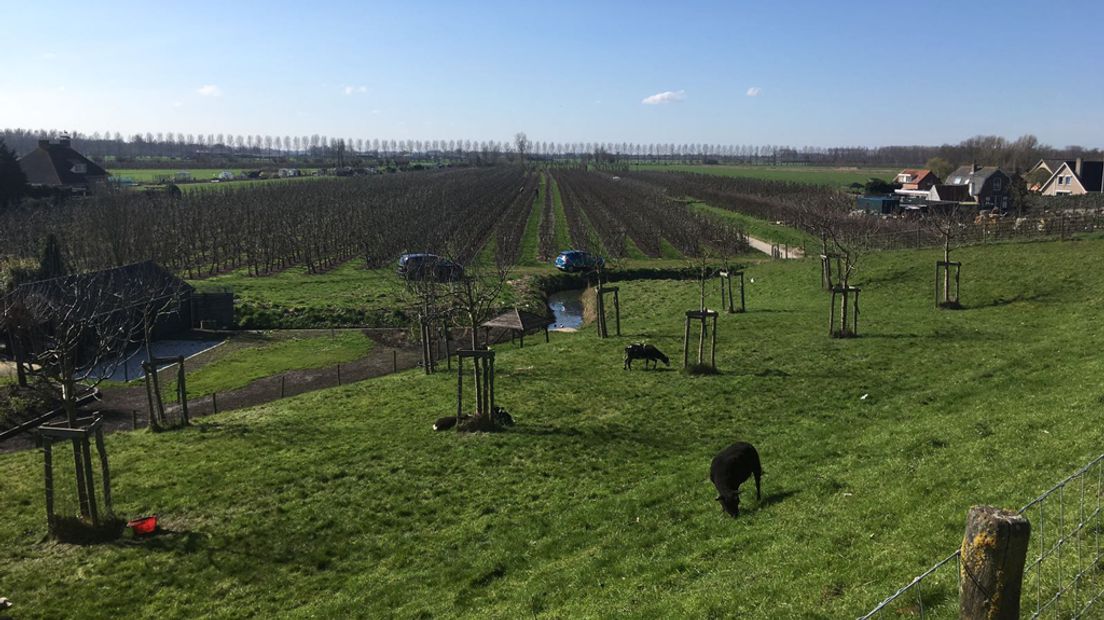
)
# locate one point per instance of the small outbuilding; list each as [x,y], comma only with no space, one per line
[877,204]
[518,323]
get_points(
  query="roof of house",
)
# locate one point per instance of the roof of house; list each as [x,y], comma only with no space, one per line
[57,164]
[519,320]
[1091,177]
[963,175]
[917,174]
[140,279]
[956,193]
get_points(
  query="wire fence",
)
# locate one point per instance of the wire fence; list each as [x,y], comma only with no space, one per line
[1064,573]
[985,230]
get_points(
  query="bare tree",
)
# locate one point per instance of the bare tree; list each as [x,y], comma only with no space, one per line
[521,143]
[947,221]
[74,331]
[474,296]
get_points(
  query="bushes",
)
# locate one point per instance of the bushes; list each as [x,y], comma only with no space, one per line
[264,316]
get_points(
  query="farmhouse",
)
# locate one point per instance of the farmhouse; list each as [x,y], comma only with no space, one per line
[988,186]
[1072,178]
[913,179]
[58,166]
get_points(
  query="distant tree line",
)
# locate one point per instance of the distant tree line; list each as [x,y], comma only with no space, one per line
[1015,155]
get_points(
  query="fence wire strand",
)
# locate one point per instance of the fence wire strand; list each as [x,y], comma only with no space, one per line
[1064,582]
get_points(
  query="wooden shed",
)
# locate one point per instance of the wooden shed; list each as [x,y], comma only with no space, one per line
[519,322]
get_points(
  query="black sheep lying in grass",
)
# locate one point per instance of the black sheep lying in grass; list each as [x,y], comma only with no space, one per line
[730,468]
[499,416]
[646,352]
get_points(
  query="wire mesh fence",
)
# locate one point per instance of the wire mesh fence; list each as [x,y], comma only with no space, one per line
[993,230]
[1064,573]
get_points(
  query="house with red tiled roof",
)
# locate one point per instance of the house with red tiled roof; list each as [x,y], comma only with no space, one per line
[915,179]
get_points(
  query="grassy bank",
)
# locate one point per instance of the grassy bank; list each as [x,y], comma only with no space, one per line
[598,503]
[265,355]
[755,227]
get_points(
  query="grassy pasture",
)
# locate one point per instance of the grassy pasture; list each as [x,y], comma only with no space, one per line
[755,227]
[249,357]
[813,175]
[152,175]
[597,504]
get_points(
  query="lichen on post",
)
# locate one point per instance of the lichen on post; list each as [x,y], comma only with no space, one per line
[994,551]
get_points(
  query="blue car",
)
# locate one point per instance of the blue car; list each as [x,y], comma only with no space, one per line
[577,260]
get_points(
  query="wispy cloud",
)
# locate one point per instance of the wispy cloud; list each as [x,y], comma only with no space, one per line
[209,90]
[178,104]
[754,91]
[667,96]
[355,89]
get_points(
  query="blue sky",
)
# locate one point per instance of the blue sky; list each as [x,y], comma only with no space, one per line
[822,73]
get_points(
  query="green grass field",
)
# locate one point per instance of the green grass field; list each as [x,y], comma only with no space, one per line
[350,292]
[255,356]
[813,175]
[344,503]
[153,175]
[760,229]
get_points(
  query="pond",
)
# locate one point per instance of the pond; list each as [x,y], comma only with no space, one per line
[567,309]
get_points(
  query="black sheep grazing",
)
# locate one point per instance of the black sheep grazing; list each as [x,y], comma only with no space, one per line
[730,468]
[646,352]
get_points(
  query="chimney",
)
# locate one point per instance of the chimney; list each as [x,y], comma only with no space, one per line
[974,167]
[1077,167]
[64,140]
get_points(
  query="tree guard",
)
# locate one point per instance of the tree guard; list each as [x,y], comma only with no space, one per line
[702,316]
[81,436]
[727,295]
[831,270]
[946,295]
[431,336]
[159,417]
[484,381]
[601,292]
[848,325]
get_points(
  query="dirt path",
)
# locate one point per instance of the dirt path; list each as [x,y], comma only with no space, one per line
[767,248]
[119,406]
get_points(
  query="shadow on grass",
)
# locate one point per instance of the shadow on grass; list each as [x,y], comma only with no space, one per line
[775,498]
[1002,301]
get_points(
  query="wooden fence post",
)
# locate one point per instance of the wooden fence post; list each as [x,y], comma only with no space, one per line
[994,550]
[48,460]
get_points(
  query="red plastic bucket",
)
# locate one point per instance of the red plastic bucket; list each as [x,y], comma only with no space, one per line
[143,525]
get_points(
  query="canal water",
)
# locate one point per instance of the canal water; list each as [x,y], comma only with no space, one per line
[567,310]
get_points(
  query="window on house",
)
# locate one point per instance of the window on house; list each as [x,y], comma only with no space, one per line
[79,168]
[997,184]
